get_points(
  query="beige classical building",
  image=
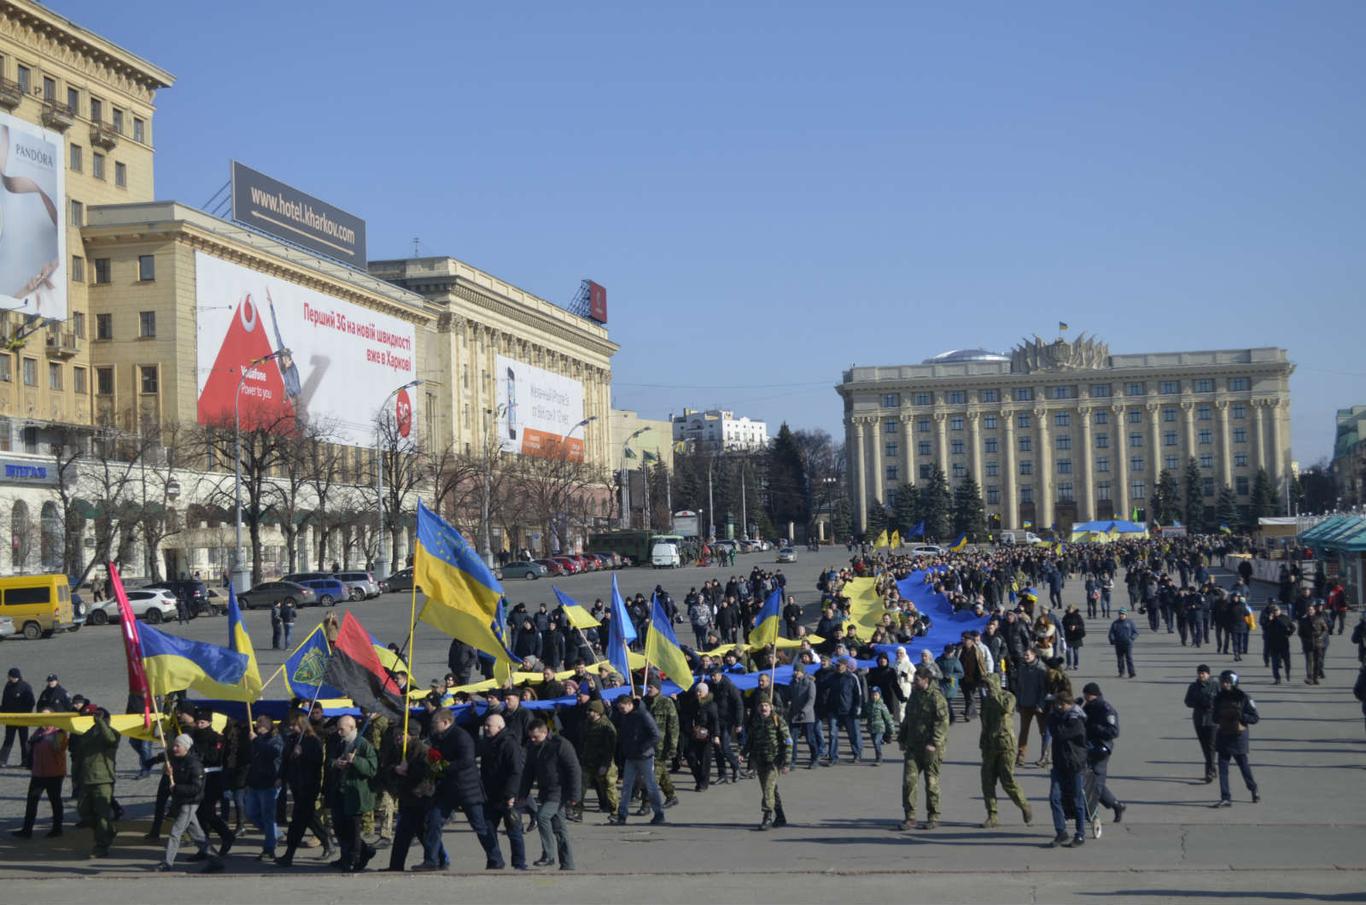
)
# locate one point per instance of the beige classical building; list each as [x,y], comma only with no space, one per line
[1059,432]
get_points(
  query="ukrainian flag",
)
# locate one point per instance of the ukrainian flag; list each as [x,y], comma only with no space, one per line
[574,612]
[448,570]
[767,620]
[620,633]
[240,641]
[662,648]
[961,543]
[175,664]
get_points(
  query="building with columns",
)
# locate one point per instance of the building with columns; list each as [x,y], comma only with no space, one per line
[1059,432]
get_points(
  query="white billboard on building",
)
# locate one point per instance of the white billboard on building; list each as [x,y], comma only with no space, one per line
[537,410]
[340,362]
[33,270]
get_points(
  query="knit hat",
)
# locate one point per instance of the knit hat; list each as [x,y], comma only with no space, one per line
[183,741]
[14,673]
[596,707]
[1090,688]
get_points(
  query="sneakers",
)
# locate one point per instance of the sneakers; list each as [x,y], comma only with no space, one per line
[616,820]
[163,867]
[1222,803]
[671,801]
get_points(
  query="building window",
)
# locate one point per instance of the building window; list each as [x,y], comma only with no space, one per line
[1135,441]
[77,269]
[1026,444]
[117,120]
[78,324]
[1207,486]
[1171,463]
[891,400]
[889,425]
[925,471]
[103,272]
[104,326]
[1169,438]
[1064,466]
[956,423]
[1024,421]
[989,395]
[956,447]
[889,450]
[6,368]
[1135,416]
[1206,460]
[1203,385]
[147,324]
[1062,442]
[139,130]
[1062,419]
[1102,441]
[148,382]
[924,399]
[1169,387]
[1065,491]
[1136,464]
[1203,413]
[25,78]
[960,471]
[121,175]
[993,495]
[1138,490]
[1239,411]
[923,425]
[923,447]
[1206,436]
[1103,490]
[104,381]
[1240,486]
[1026,494]
[1026,468]
[78,381]
[957,397]
[1064,392]
[1103,464]
[992,445]
[73,100]
[1135,389]
[30,372]
[1239,384]
[75,158]
[993,469]
[1100,391]
[1240,435]
[54,376]
[1240,460]
[77,213]
[1168,415]
[96,109]
[1102,418]
[97,165]
[1024,394]
[989,422]
[891,472]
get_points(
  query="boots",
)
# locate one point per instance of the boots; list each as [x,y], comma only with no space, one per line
[991,821]
[1027,813]
[767,821]
[779,818]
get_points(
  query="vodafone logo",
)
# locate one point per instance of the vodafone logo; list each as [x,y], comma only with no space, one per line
[246,313]
[403,414]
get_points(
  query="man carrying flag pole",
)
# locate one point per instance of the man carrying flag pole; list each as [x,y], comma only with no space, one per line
[619,634]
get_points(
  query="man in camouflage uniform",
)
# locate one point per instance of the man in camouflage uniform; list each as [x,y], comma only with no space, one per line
[924,737]
[997,742]
[93,753]
[598,759]
[768,754]
[664,711]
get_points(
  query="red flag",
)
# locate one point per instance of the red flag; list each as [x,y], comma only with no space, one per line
[355,670]
[132,647]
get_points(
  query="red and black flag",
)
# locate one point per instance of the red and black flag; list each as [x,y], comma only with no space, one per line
[354,669]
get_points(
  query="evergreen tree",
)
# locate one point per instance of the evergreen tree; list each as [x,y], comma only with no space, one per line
[788,500]
[1165,500]
[1226,509]
[1193,503]
[841,521]
[936,504]
[969,512]
[877,520]
[905,510]
[1263,499]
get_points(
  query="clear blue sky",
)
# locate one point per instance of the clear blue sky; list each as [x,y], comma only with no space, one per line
[773,191]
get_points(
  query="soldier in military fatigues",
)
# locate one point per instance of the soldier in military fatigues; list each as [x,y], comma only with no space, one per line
[997,742]
[768,753]
[666,718]
[599,757]
[924,737]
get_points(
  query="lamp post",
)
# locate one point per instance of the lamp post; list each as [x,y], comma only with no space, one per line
[239,572]
[564,455]
[625,521]
[382,567]
[490,417]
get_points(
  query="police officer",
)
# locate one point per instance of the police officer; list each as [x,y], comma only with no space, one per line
[1234,712]
[1102,728]
[997,741]
[1200,699]
[924,737]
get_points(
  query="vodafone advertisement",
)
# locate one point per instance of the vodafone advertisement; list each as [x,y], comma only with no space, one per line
[338,361]
[32,220]
[537,409]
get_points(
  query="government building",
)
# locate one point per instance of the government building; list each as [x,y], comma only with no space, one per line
[1058,432]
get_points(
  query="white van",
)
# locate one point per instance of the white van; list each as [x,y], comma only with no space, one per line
[1019,537]
[665,556]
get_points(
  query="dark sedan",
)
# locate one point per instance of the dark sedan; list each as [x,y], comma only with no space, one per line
[265,595]
[528,570]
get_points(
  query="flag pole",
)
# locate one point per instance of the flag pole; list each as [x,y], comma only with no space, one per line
[273,677]
[412,627]
[161,733]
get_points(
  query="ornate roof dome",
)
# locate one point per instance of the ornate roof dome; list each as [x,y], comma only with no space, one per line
[955,355]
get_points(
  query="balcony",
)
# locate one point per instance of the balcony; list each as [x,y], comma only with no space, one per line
[10,94]
[62,345]
[103,135]
[58,114]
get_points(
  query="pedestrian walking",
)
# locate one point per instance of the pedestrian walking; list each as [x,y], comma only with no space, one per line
[768,753]
[554,770]
[1067,725]
[1122,635]
[1102,729]
[637,740]
[1234,712]
[999,751]
[47,750]
[924,737]
[186,782]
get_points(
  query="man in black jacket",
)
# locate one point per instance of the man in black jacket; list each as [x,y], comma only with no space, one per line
[461,660]
[458,787]
[1200,699]
[730,712]
[1067,724]
[1234,712]
[637,737]
[553,768]
[1102,728]
[1277,630]
[500,769]
[54,696]
[16,698]
[209,748]
[187,791]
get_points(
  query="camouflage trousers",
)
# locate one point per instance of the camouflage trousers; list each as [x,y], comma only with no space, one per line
[915,766]
[999,767]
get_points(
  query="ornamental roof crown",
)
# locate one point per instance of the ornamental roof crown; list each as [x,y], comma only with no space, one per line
[1083,353]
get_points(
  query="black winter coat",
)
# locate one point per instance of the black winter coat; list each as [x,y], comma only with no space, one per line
[17,697]
[1069,738]
[637,734]
[500,767]
[1200,699]
[730,705]
[460,784]
[553,767]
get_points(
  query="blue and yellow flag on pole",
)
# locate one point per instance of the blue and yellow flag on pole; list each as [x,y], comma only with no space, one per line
[620,632]
[173,663]
[305,668]
[960,543]
[767,620]
[662,647]
[240,641]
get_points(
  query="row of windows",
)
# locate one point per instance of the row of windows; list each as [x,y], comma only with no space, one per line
[1071,391]
[28,370]
[991,446]
[1066,492]
[1025,467]
[23,77]
[104,269]
[1025,420]
[99,165]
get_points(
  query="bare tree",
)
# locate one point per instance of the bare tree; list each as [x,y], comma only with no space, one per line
[157,488]
[325,460]
[404,470]
[552,488]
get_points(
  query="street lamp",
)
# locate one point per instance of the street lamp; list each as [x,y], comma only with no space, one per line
[382,567]
[491,417]
[625,521]
[239,572]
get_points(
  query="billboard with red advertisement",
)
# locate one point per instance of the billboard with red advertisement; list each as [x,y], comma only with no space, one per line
[597,302]
[339,361]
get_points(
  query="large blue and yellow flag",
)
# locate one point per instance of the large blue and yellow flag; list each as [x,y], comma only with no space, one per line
[305,668]
[240,641]
[173,663]
[768,620]
[463,596]
[620,633]
[662,648]
[961,543]
[574,613]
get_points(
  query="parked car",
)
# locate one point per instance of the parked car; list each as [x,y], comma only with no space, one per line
[264,595]
[39,604]
[361,585]
[327,590]
[553,567]
[527,570]
[193,591]
[927,550]
[665,555]
[607,560]
[153,605]
[6,627]
[402,580]
[787,554]
[570,565]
